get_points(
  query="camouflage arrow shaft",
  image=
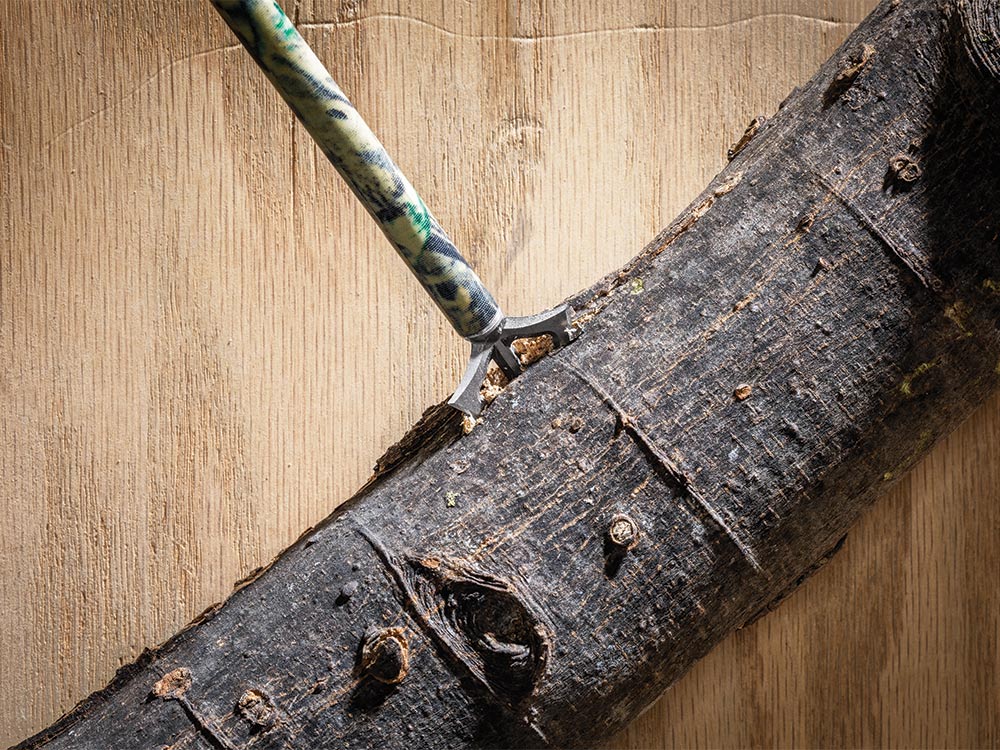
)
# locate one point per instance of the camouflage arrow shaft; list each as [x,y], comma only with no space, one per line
[362,161]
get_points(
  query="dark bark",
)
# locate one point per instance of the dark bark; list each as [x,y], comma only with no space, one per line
[795,341]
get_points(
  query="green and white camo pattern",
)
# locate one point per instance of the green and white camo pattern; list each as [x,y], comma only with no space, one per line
[362,161]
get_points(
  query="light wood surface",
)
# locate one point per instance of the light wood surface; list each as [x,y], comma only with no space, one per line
[205,343]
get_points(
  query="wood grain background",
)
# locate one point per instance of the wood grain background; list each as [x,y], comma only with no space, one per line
[205,343]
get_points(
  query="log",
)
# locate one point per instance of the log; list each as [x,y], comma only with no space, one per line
[783,352]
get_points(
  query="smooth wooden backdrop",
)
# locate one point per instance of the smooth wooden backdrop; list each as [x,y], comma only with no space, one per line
[205,343]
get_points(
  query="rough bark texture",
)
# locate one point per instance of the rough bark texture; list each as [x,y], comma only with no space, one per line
[797,339]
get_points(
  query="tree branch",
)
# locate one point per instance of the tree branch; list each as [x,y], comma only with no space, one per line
[789,347]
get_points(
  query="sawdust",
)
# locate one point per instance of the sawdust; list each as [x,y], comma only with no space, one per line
[469,423]
[531,350]
[494,383]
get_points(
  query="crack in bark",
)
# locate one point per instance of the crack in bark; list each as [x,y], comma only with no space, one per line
[911,260]
[662,463]
[217,741]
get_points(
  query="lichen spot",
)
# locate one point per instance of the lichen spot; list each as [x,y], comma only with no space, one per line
[906,387]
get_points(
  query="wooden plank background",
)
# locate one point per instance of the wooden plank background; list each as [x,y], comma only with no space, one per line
[205,343]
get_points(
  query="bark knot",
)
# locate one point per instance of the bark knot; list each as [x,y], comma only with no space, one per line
[623,532]
[257,707]
[748,134]
[486,626]
[173,684]
[851,68]
[905,169]
[385,655]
